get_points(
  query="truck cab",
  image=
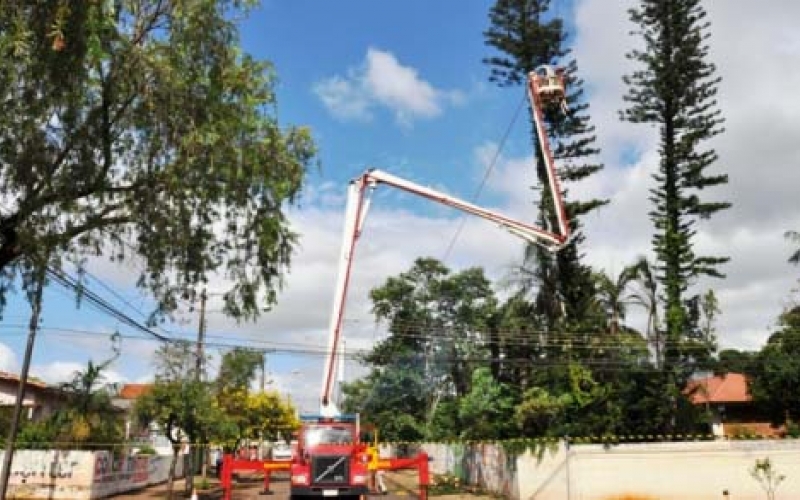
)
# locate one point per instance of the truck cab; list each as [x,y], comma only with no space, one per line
[330,460]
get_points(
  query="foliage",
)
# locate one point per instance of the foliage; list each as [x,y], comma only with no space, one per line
[674,88]
[269,416]
[248,415]
[87,417]
[777,370]
[180,403]
[238,368]
[436,321]
[393,398]
[735,361]
[767,476]
[526,36]
[613,295]
[487,410]
[142,128]
[146,450]
[445,484]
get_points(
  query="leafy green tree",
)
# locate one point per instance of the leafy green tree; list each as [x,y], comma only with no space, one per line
[394,398]
[778,371]
[565,409]
[238,368]
[142,128]
[674,88]
[438,314]
[269,416]
[735,361]
[232,389]
[526,36]
[183,406]
[487,411]
[88,419]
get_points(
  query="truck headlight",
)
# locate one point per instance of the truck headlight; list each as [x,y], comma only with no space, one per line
[299,479]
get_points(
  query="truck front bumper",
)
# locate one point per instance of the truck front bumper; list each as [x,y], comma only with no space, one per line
[332,491]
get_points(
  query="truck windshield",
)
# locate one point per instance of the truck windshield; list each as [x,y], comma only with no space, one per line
[328,435]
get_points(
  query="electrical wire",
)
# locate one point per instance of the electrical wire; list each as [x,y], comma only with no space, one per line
[356,354]
[100,303]
[489,169]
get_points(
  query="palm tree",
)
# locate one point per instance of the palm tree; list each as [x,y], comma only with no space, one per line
[89,415]
[613,296]
[646,296]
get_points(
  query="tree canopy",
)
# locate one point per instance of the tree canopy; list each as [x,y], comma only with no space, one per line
[142,128]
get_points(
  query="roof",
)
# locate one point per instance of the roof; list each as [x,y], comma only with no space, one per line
[133,391]
[728,388]
[13,377]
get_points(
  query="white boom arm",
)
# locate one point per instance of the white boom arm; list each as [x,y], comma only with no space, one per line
[545,87]
[355,213]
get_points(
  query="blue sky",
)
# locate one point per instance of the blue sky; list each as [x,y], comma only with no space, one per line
[401,86]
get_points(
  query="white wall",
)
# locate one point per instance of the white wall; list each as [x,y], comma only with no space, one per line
[79,475]
[664,471]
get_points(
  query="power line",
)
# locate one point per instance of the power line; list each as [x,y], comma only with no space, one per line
[635,365]
[100,303]
[485,178]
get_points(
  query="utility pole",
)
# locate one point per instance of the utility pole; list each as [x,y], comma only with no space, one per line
[263,369]
[201,334]
[198,453]
[33,326]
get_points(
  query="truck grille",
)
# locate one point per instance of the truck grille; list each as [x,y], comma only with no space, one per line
[332,469]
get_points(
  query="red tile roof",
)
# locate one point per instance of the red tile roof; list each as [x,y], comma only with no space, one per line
[728,388]
[133,391]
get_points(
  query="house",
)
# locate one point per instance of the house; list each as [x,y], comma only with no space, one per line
[40,401]
[731,407]
[151,436]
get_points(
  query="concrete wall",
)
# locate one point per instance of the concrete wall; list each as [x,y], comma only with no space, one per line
[57,474]
[664,471]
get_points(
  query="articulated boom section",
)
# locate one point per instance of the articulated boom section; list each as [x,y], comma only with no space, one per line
[545,88]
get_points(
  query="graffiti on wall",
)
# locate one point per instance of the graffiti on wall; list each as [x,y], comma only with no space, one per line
[117,467]
[71,475]
[48,466]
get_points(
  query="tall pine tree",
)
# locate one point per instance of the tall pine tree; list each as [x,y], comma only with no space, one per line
[526,37]
[674,88]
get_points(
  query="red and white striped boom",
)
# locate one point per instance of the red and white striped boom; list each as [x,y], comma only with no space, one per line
[545,87]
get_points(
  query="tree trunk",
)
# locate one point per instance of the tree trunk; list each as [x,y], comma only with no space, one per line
[171,478]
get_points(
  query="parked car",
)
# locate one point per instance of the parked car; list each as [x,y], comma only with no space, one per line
[281,451]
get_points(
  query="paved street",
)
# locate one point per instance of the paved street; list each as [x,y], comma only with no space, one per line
[249,488]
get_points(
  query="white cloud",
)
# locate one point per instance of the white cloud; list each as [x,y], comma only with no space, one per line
[64,371]
[758,150]
[383,81]
[8,359]
[345,99]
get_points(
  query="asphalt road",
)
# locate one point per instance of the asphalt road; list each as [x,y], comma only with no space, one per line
[248,488]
